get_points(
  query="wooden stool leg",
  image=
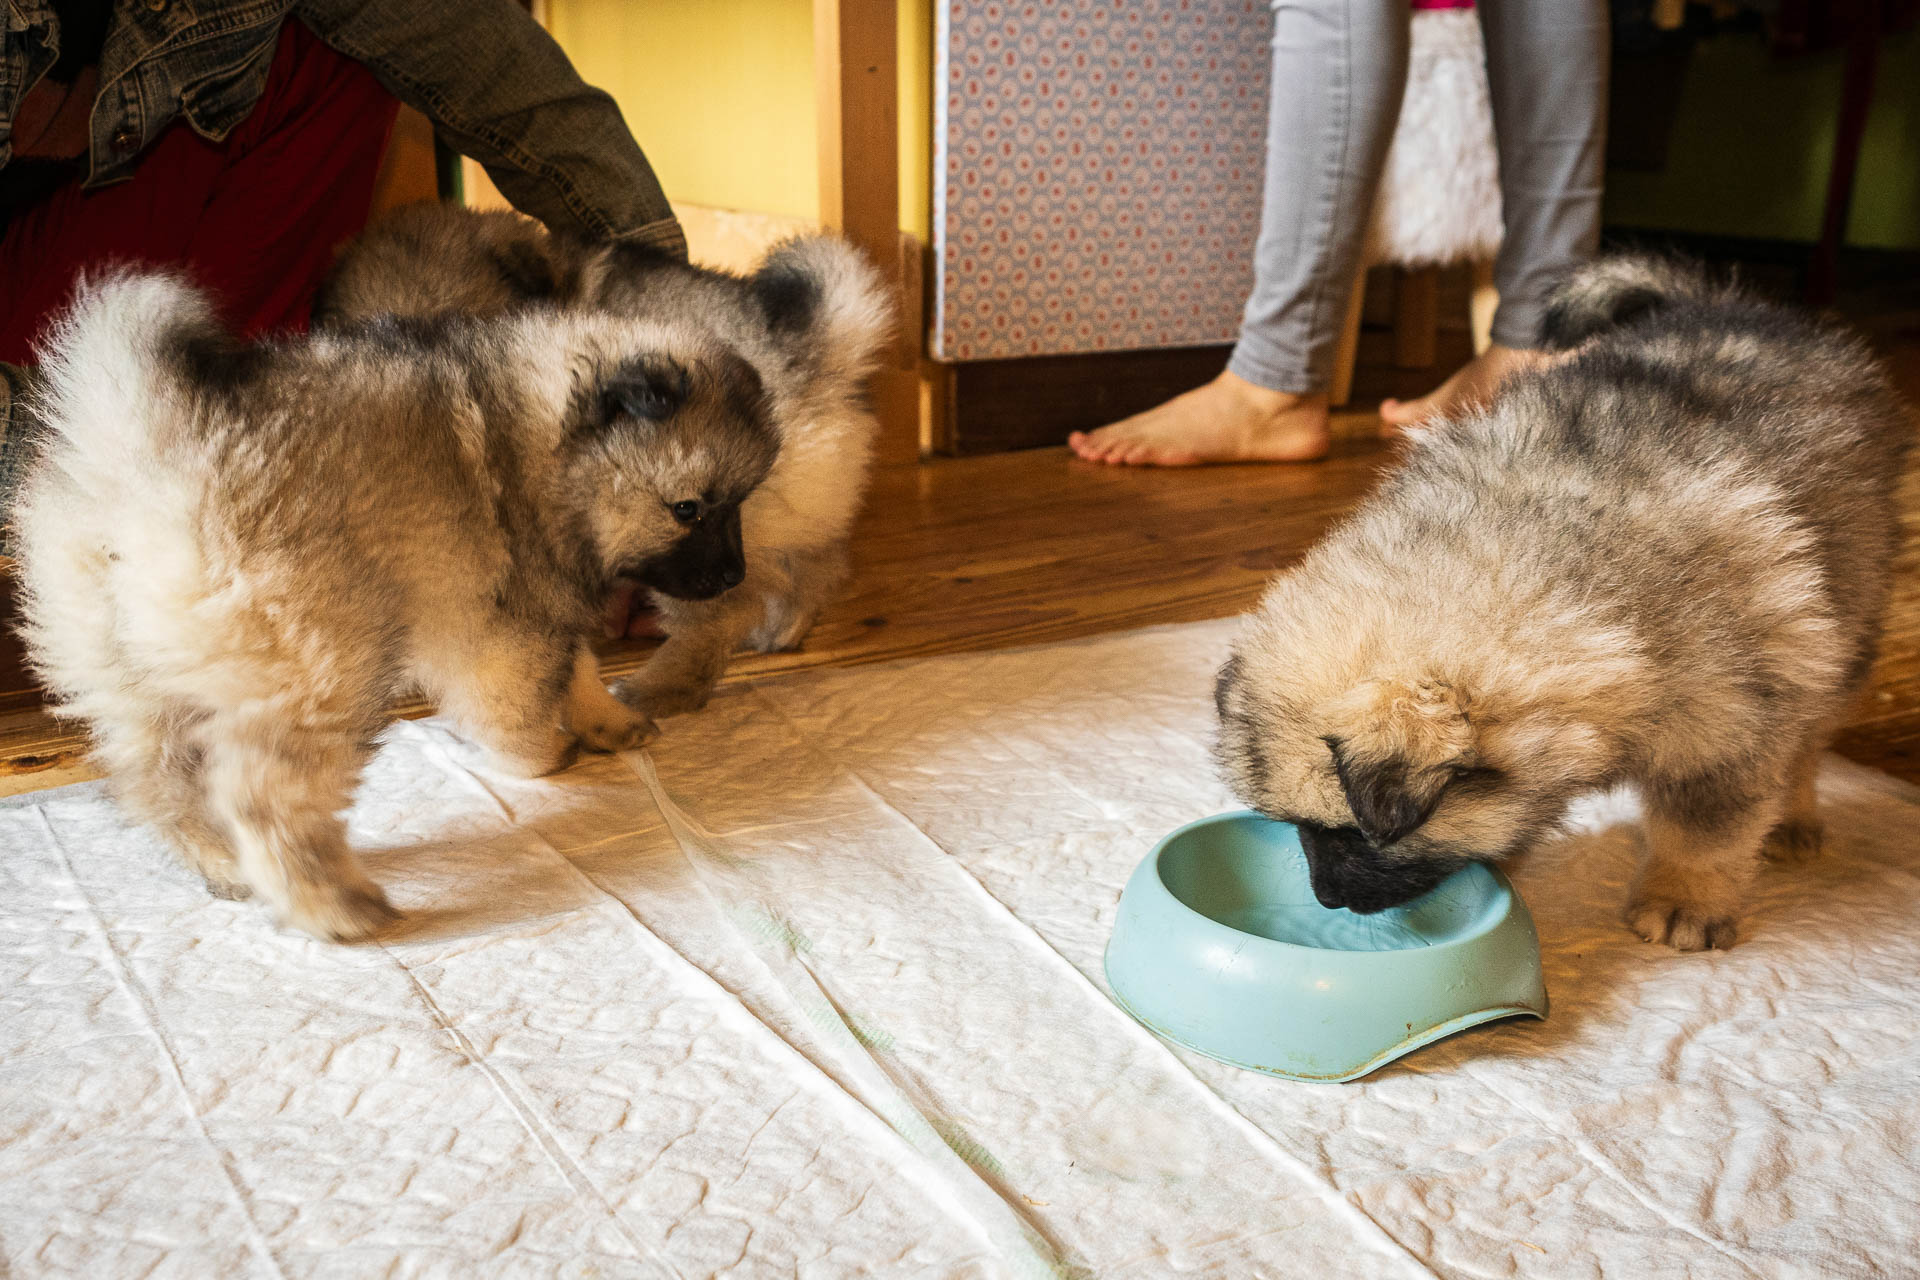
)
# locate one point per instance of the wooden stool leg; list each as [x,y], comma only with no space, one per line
[1486,300]
[1416,317]
[1856,101]
[1341,389]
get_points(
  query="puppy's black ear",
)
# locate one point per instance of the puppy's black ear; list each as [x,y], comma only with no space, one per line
[525,270]
[1571,320]
[789,296]
[1224,682]
[1388,802]
[651,390]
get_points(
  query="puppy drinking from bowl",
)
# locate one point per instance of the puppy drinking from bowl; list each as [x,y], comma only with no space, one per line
[1662,559]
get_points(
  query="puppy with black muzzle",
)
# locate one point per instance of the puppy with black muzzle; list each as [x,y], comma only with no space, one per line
[1662,559]
[234,556]
[811,319]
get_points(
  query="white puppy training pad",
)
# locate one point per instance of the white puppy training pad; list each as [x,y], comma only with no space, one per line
[824,997]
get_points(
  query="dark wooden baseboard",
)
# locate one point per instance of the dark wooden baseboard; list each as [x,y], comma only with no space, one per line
[1028,403]
[1034,402]
[992,406]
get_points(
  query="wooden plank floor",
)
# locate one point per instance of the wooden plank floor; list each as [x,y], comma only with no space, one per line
[1023,548]
[974,553]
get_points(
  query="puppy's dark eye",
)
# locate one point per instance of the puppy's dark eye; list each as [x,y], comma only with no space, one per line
[686,512]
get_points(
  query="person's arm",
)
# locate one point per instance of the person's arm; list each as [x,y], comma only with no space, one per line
[500,90]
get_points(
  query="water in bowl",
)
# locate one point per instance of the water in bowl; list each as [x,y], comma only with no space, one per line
[1251,875]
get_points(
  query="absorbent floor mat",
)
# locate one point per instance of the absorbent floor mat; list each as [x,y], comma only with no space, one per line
[813,987]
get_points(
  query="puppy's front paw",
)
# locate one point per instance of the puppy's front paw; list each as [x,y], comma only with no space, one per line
[1794,841]
[1684,926]
[615,727]
[229,890]
[550,755]
[340,912]
[658,701]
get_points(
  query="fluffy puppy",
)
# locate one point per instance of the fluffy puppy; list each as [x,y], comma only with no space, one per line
[234,556]
[1662,560]
[811,318]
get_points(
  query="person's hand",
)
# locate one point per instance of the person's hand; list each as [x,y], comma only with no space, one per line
[629,614]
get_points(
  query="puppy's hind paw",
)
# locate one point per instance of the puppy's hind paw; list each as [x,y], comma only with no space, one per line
[616,728]
[1795,841]
[341,912]
[1680,925]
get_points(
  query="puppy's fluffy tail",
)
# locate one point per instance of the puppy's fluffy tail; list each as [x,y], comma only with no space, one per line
[105,364]
[99,483]
[821,291]
[1617,290]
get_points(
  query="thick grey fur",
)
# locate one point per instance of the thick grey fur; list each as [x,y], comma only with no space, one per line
[1661,559]
[234,555]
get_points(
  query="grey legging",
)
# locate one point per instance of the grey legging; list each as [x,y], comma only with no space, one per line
[1339,71]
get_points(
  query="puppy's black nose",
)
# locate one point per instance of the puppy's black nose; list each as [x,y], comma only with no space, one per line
[732,576]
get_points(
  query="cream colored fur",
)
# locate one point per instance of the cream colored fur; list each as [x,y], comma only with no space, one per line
[813,358]
[233,557]
[797,523]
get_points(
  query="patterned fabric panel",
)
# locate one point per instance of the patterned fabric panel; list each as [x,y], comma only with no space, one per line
[1097,173]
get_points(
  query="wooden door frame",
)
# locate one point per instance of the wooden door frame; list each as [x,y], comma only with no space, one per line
[857,87]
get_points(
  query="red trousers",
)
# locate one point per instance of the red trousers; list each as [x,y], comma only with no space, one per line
[254,218]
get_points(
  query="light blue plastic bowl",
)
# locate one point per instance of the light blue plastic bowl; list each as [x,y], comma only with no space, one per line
[1221,946]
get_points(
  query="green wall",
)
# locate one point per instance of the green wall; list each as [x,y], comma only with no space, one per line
[1749,153]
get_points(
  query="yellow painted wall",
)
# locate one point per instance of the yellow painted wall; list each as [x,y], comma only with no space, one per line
[916,117]
[720,94]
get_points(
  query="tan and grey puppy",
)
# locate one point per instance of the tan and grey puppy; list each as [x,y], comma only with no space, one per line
[235,555]
[1662,560]
[812,319]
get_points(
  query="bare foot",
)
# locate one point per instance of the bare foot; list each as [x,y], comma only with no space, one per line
[1471,387]
[1227,420]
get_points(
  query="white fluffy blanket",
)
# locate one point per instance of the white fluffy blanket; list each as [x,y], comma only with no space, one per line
[822,996]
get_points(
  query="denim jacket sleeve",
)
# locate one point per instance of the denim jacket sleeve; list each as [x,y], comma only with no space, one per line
[500,90]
